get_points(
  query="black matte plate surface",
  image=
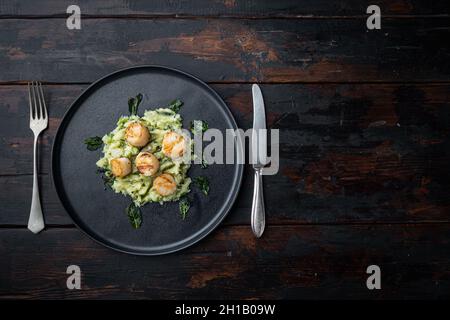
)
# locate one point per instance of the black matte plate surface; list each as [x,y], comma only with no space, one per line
[101,213]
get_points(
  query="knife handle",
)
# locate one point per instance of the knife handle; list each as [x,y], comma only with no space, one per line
[258,219]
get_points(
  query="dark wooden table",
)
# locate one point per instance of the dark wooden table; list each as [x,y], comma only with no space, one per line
[364,119]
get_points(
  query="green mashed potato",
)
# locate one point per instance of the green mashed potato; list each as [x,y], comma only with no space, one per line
[136,185]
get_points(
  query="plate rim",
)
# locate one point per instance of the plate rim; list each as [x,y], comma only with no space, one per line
[202,233]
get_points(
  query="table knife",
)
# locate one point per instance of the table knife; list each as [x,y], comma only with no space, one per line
[259,154]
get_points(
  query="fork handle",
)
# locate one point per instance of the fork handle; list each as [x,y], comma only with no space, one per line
[36,220]
[258,219]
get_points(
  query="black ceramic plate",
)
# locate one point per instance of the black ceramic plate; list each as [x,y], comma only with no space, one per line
[101,213]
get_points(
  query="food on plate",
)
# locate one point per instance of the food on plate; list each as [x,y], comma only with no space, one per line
[137,134]
[173,145]
[165,184]
[120,167]
[143,158]
[147,163]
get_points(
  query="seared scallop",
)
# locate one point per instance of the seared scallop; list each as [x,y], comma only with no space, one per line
[120,167]
[147,163]
[165,184]
[173,145]
[137,134]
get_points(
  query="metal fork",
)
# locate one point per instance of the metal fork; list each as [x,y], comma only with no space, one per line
[38,123]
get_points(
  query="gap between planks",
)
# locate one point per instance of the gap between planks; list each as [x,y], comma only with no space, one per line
[271,225]
[224,16]
[380,82]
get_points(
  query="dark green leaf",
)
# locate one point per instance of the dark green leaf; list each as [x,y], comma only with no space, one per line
[175,105]
[202,183]
[133,104]
[135,215]
[199,126]
[165,112]
[93,143]
[204,164]
[107,176]
[184,207]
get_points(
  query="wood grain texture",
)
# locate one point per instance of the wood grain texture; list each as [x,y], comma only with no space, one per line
[229,50]
[371,153]
[303,262]
[227,8]
[364,119]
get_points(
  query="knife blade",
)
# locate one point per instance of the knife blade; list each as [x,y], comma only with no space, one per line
[259,140]
[259,156]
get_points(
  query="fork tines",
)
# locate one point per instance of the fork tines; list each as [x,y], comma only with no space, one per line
[38,109]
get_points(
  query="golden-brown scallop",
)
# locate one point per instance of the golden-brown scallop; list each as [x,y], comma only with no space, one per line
[120,167]
[173,145]
[147,163]
[137,134]
[165,184]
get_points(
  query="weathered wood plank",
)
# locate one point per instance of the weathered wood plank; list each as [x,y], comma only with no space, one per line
[303,262]
[16,201]
[234,8]
[330,117]
[224,50]
[349,153]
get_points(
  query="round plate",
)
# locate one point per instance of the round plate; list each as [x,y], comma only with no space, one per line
[101,213]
